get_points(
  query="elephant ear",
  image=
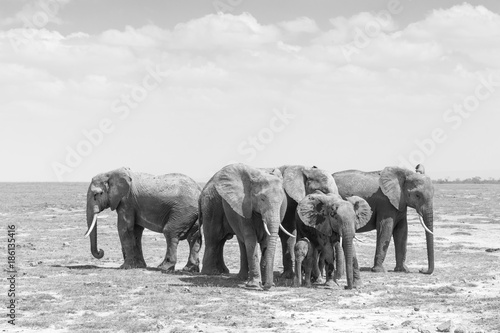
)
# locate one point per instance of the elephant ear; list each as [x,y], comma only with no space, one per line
[391,183]
[313,212]
[294,182]
[362,210]
[233,184]
[118,186]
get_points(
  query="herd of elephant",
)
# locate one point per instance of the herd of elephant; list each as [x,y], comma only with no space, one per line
[314,213]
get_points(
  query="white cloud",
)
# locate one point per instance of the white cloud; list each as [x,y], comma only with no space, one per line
[227,74]
[222,30]
[36,14]
[300,25]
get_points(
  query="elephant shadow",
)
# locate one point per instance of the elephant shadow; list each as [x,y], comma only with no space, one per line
[365,269]
[85,267]
[221,281]
[228,280]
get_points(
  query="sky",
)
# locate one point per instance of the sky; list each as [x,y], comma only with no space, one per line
[87,86]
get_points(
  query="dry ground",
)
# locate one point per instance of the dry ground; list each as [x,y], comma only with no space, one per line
[61,287]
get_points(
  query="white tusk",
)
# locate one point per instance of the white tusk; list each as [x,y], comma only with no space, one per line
[266,229]
[91,226]
[286,232]
[340,241]
[359,240]
[423,225]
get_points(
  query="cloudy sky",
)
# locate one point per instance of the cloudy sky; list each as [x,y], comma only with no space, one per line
[87,86]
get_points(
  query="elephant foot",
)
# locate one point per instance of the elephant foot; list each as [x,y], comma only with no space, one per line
[288,275]
[268,286]
[378,269]
[167,267]
[253,285]
[402,268]
[130,264]
[191,268]
[319,280]
[331,283]
[242,276]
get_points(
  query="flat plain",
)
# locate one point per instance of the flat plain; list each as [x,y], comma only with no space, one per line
[60,287]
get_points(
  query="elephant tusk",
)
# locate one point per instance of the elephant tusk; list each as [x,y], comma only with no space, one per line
[423,224]
[91,226]
[286,232]
[359,240]
[340,241]
[266,229]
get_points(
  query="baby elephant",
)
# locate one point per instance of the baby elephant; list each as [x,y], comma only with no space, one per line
[305,255]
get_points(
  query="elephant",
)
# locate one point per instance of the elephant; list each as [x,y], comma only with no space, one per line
[305,255]
[247,202]
[309,259]
[389,193]
[326,218]
[166,204]
[299,181]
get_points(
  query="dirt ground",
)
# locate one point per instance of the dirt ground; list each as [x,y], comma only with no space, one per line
[60,287]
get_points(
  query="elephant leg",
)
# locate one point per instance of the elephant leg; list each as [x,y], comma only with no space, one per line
[321,263]
[221,265]
[287,242]
[315,267]
[138,230]
[339,262]
[400,235]
[254,276]
[195,241]
[172,239]
[384,233]
[288,253]
[214,228]
[356,273]
[330,269]
[243,273]
[308,266]
[126,232]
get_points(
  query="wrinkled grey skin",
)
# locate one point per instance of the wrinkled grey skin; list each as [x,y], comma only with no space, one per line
[326,218]
[305,255]
[299,181]
[389,193]
[166,204]
[238,200]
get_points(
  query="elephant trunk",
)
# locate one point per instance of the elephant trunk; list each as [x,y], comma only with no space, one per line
[347,245]
[92,211]
[429,222]
[273,226]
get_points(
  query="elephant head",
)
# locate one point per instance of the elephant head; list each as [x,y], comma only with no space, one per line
[329,213]
[300,181]
[248,191]
[106,190]
[414,189]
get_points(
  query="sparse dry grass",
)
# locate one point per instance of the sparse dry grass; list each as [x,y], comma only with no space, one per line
[61,287]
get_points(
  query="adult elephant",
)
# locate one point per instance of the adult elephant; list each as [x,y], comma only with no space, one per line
[389,193]
[249,203]
[166,204]
[326,216]
[299,181]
